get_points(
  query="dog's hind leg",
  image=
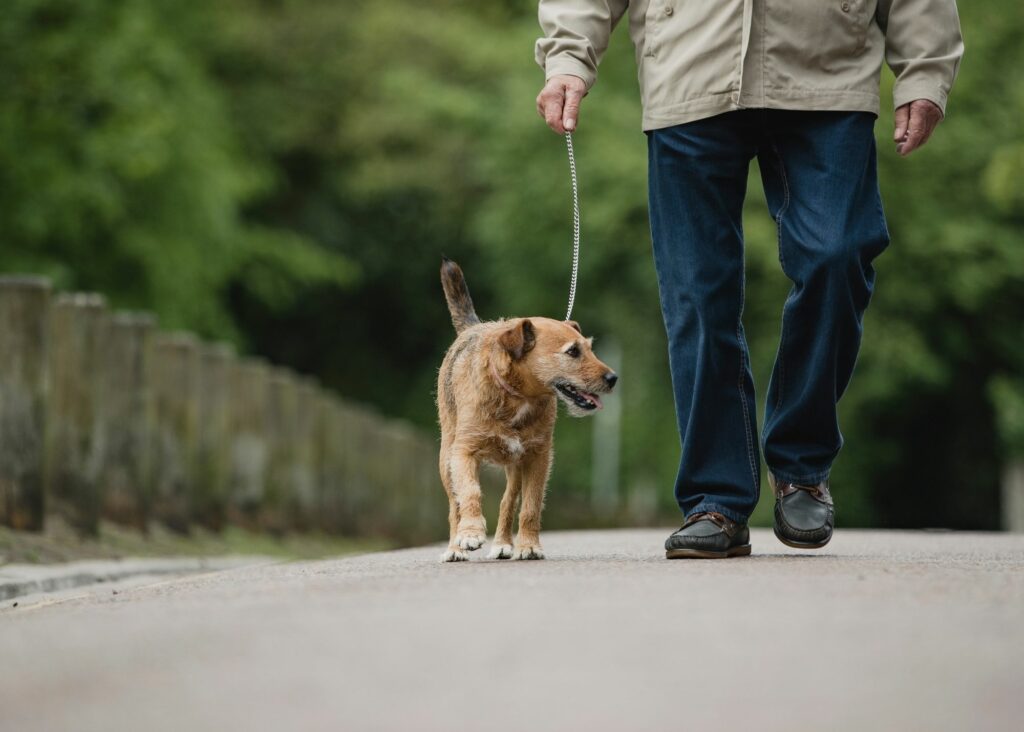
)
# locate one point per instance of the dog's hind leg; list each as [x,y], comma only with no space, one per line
[471,530]
[453,553]
[535,470]
[501,547]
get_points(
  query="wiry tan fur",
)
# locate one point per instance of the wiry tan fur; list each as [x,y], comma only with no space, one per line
[497,403]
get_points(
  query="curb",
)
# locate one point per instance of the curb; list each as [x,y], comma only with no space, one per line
[17,580]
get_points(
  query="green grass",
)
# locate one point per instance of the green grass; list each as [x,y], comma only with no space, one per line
[59,543]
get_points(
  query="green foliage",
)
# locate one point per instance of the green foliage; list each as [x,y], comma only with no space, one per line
[120,166]
[289,172]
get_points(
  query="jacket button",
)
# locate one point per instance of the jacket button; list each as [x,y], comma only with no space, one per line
[845,7]
[669,10]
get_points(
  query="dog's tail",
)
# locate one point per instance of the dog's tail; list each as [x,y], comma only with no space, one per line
[460,304]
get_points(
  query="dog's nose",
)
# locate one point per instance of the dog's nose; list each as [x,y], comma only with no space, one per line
[611,378]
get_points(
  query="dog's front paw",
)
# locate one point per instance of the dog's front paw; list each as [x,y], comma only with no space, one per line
[500,551]
[470,540]
[528,551]
[454,555]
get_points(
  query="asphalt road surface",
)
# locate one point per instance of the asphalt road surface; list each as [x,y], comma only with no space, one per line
[879,631]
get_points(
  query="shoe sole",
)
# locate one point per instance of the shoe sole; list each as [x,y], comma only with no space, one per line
[800,544]
[736,551]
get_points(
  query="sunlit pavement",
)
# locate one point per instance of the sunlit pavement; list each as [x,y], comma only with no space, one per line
[881,630]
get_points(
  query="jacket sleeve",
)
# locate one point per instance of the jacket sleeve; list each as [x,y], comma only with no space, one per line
[923,47]
[576,34]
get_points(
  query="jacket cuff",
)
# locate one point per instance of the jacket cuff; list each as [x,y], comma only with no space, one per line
[909,90]
[566,64]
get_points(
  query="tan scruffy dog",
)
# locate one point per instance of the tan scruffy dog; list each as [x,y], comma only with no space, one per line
[497,397]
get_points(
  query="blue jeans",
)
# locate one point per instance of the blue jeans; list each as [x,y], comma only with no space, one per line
[820,178]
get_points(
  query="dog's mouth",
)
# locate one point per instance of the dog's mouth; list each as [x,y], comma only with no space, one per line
[584,400]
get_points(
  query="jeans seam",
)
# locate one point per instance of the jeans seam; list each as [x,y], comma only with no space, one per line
[743,397]
[780,357]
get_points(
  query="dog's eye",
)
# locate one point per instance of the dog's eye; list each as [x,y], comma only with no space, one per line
[573,352]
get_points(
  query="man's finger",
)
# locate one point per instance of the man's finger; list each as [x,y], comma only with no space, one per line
[552,99]
[933,115]
[902,115]
[553,114]
[571,113]
[917,130]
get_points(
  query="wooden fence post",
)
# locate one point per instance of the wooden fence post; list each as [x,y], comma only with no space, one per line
[282,417]
[334,484]
[431,504]
[127,419]
[368,473]
[213,449]
[248,393]
[75,440]
[175,379]
[24,334]
[303,476]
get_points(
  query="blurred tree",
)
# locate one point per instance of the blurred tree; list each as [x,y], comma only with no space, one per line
[120,168]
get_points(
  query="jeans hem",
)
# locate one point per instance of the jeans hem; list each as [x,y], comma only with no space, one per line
[812,479]
[717,508]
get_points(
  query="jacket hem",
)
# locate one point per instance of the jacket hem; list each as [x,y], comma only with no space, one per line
[692,110]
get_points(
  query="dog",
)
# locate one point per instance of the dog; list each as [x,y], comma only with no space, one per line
[497,398]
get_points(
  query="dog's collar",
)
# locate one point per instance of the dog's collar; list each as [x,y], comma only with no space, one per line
[504,384]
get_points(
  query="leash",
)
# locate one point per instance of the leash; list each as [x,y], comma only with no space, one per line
[575,226]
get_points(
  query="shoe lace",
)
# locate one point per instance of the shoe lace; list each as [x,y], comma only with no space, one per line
[812,489]
[713,516]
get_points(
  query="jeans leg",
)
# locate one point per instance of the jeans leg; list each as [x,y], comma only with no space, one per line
[820,176]
[698,175]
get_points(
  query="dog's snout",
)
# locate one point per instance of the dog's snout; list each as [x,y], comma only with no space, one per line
[610,379]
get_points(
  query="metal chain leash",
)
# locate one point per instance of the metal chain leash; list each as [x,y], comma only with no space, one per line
[575,226]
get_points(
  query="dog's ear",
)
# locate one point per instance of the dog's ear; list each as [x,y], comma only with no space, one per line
[574,325]
[519,339]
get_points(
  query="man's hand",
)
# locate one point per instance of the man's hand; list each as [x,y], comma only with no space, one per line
[559,102]
[915,123]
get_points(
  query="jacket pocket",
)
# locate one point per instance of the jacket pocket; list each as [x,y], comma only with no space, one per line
[822,35]
[859,15]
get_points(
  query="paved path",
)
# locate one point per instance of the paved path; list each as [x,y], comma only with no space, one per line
[26,580]
[881,631]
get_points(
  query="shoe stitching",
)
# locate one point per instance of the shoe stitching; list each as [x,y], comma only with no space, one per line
[804,534]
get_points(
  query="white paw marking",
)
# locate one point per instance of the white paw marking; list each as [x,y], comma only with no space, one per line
[470,542]
[528,552]
[500,551]
[454,555]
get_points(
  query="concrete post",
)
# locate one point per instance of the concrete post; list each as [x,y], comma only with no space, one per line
[75,440]
[24,333]
[175,379]
[127,419]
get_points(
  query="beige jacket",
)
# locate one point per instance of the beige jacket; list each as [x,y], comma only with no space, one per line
[699,58]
